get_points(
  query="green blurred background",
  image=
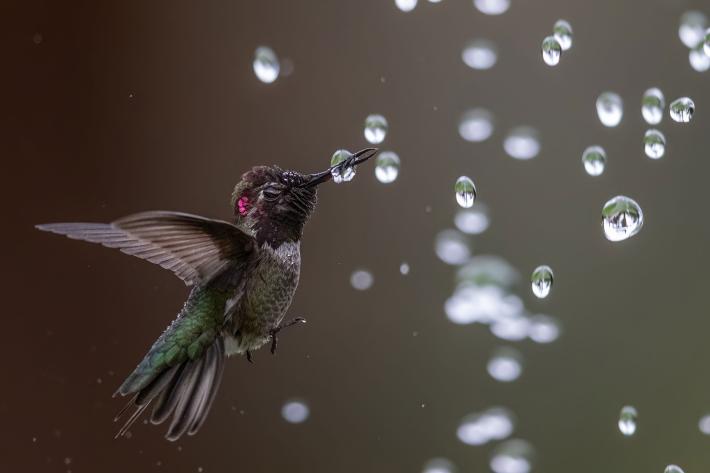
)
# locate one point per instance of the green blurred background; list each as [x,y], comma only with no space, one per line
[110,108]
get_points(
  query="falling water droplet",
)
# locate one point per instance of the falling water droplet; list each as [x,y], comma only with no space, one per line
[439,465]
[522,143]
[654,144]
[452,247]
[551,51]
[341,175]
[387,167]
[594,160]
[375,128]
[480,54]
[295,411]
[563,34]
[492,7]
[652,105]
[610,109]
[404,269]
[476,125]
[673,469]
[512,456]
[495,423]
[682,109]
[406,5]
[541,281]
[465,191]
[699,61]
[361,280]
[627,420]
[505,365]
[622,218]
[543,329]
[704,424]
[692,28]
[472,221]
[266,64]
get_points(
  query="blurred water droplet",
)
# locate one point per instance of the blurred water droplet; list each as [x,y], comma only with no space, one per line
[473,221]
[692,28]
[480,54]
[375,128]
[551,51]
[654,144]
[562,32]
[439,465]
[485,270]
[478,429]
[698,59]
[594,160]
[673,469]
[361,280]
[343,175]
[522,143]
[541,281]
[682,109]
[706,43]
[476,125]
[704,424]
[404,269]
[622,218]
[543,329]
[465,191]
[513,456]
[406,5]
[627,420]
[387,167]
[492,7]
[652,105]
[452,247]
[295,411]
[610,109]
[513,329]
[266,64]
[505,365]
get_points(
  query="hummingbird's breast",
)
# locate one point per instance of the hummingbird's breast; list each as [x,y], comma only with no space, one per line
[267,295]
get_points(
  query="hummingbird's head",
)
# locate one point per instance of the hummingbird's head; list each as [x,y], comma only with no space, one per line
[275,204]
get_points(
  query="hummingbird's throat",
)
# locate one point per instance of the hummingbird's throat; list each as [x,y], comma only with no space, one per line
[243,206]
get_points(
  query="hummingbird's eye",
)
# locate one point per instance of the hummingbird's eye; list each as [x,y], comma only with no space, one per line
[270,193]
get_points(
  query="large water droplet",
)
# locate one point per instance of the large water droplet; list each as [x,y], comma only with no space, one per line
[673,469]
[543,329]
[622,218]
[698,59]
[493,424]
[522,143]
[541,281]
[266,64]
[472,221]
[692,28]
[627,420]
[513,456]
[465,191]
[480,54]
[341,175]
[505,365]
[492,7]
[704,424]
[361,279]
[652,105]
[452,247]
[682,109]
[406,5]
[551,51]
[610,109]
[594,160]
[375,128]
[295,411]
[476,125]
[563,34]
[387,167]
[654,144]
[439,465]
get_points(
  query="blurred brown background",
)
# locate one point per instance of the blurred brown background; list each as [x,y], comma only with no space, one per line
[109,108]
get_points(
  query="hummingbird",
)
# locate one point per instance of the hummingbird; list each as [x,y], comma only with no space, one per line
[242,276]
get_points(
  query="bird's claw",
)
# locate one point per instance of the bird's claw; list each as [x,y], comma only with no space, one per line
[275,330]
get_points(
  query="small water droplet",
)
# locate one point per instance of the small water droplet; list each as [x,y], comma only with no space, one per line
[476,125]
[692,28]
[341,175]
[543,329]
[375,128]
[551,51]
[627,420]
[704,424]
[522,143]
[452,247]
[361,279]
[439,465]
[492,7]
[682,109]
[698,59]
[465,191]
[406,5]
[610,109]
[622,218]
[654,144]
[266,64]
[594,160]
[404,269]
[295,411]
[480,54]
[37,38]
[541,281]
[495,423]
[673,469]
[387,167]
[563,34]
[652,105]
[505,365]
[513,456]
[472,221]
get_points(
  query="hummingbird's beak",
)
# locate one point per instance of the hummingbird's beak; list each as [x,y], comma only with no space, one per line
[357,158]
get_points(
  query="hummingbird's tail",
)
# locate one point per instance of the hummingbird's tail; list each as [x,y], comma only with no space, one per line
[185,391]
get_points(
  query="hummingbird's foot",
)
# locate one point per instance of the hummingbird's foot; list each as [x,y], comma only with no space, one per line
[275,330]
[249,357]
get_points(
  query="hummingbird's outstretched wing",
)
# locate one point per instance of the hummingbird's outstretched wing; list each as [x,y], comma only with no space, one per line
[192,247]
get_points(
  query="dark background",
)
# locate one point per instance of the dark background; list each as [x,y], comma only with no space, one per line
[137,105]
